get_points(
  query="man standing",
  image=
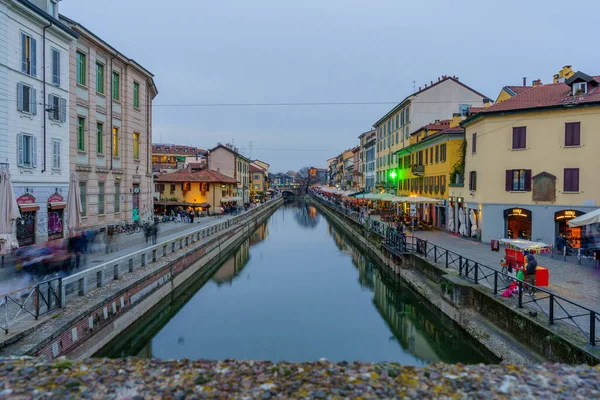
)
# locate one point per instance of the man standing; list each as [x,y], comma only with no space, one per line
[530,272]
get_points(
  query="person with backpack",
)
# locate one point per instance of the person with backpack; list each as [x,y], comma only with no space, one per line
[530,272]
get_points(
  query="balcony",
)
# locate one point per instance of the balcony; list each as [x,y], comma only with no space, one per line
[456,180]
[418,170]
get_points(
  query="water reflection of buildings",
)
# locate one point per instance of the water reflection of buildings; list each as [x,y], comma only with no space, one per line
[234,264]
[146,352]
[259,235]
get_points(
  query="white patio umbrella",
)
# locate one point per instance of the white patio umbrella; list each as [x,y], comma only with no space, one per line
[9,211]
[451,219]
[73,205]
[585,219]
[473,223]
[462,229]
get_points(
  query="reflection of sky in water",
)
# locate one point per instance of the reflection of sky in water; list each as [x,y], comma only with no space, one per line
[300,293]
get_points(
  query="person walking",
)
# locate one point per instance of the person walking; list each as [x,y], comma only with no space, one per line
[154,233]
[530,272]
[192,215]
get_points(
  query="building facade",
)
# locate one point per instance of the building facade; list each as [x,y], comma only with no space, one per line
[531,161]
[367,161]
[228,161]
[171,157]
[258,179]
[110,131]
[439,100]
[356,173]
[34,114]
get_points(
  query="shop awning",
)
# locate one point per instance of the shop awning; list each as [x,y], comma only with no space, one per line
[585,219]
[57,205]
[523,244]
[231,199]
[29,207]
[421,199]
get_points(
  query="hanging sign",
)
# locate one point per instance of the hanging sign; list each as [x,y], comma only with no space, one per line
[517,212]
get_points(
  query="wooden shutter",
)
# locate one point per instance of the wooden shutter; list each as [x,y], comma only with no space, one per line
[33,56]
[33,100]
[508,182]
[20,96]
[528,180]
[23,53]
[474,143]
[63,110]
[572,133]
[34,152]
[20,150]
[519,137]
[571,183]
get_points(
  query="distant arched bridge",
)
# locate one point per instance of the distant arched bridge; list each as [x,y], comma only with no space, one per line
[290,190]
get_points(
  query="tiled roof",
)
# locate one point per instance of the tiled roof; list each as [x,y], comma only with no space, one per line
[437,125]
[255,169]
[550,95]
[195,176]
[518,89]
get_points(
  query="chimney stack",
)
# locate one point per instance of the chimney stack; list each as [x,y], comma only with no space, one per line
[439,79]
[524,81]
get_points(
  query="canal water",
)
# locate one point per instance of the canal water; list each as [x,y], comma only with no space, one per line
[298,290]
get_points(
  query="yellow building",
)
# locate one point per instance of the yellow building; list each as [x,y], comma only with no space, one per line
[258,180]
[199,190]
[437,100]
[532,161]
[429,163]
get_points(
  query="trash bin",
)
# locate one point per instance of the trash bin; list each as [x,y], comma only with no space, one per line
[494,244]
[478,235]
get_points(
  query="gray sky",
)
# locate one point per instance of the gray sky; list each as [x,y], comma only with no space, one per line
[278,51]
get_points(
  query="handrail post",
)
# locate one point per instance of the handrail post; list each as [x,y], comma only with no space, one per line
[520,294]
[446,258]
[460,266]
[551,309]
[495,282]
[476,273]
[435,253]
[592,328]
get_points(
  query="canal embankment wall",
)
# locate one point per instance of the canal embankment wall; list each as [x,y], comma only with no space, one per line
[508,333]
[101,303]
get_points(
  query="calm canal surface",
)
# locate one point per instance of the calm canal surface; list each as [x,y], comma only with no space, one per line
[298,290]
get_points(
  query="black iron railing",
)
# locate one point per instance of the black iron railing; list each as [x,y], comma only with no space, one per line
[553,307]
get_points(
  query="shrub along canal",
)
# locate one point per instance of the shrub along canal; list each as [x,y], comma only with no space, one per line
[298,290]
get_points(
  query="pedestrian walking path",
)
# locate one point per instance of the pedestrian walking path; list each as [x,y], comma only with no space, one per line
[11,280]
[579,283]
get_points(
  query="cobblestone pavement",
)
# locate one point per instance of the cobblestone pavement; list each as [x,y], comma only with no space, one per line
[11,280]
[184,379]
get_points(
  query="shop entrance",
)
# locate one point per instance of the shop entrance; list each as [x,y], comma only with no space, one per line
[26,225]
[572,235]
[517,223]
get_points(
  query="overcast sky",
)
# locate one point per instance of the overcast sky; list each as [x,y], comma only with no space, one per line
[281,51]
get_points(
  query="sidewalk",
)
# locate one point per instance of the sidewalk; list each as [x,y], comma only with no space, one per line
[578,283]
[10,279]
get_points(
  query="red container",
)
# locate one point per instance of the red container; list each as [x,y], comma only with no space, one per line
[542,277]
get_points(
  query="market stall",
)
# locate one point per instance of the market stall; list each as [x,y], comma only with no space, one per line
[517,249]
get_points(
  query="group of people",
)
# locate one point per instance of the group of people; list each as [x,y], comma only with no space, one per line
[151,230]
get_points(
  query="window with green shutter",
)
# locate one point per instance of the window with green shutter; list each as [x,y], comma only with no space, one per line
[115,86]
[80,133]
[99,78]
[80,62]
[136,95]
[99,138]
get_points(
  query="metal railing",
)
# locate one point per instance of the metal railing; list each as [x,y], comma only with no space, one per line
[44,297]
[535,299]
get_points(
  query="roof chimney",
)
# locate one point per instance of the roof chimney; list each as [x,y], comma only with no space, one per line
[524,81]
[439,79]
[419,88]
[432,82]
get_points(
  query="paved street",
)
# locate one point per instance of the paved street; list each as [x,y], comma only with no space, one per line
[10,279]
[580,283]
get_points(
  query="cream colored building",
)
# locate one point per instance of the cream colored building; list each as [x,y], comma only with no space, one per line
[437,101]
[532,162]
[110,131]
[228,161]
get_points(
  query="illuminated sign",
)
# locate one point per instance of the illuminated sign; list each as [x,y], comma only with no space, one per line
[566,214]
[517,212]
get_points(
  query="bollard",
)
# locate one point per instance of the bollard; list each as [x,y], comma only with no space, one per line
[82,286]
[100,278]
[116,272]
[164,250]
[130,265]
[143,260]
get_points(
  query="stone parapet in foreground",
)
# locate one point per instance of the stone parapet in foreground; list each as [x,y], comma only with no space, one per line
[184,379]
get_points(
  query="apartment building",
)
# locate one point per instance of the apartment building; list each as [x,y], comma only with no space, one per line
[34,114]
[368,142]
[110,131]
[227,160]
[171,157]
[436,101]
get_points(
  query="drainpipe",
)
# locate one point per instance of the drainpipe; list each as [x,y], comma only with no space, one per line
[44,87]
[149,144]
[111,112]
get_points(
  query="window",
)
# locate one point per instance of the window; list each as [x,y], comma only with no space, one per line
[519,138]
[402,119]
[473,180]
[26,151]
[101,198]
[26,96]
[463,109]
[117,199]
[172,188]
[115,86]
[136,95]
[99,137]
[55,67]
[115,142]
[406,132]
[571,183]
[407,114]
[518,180]
[397,137]
[572,134]
[431,155]
[474,143]
[397,121]
[28,55]
[437,153]
[53,8]
[442,152]
[83,197]
[256,177]
[80,134]
[579,88]
[99,78]
[58,107]
[80,60]
[426,157]
[136,146]
[55,154]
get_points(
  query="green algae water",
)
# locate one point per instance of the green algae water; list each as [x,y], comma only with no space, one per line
[297,290]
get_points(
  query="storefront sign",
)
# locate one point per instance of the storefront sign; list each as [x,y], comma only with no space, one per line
[26,199]
[566,214]
[517,212]
[55,198]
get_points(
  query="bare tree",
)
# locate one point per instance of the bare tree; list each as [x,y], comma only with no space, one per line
[305,178]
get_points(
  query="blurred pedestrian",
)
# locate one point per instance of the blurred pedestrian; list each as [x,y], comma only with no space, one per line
[147,231]
[192,215]
[154,233]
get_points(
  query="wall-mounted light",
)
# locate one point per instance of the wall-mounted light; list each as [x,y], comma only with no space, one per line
[460,200]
